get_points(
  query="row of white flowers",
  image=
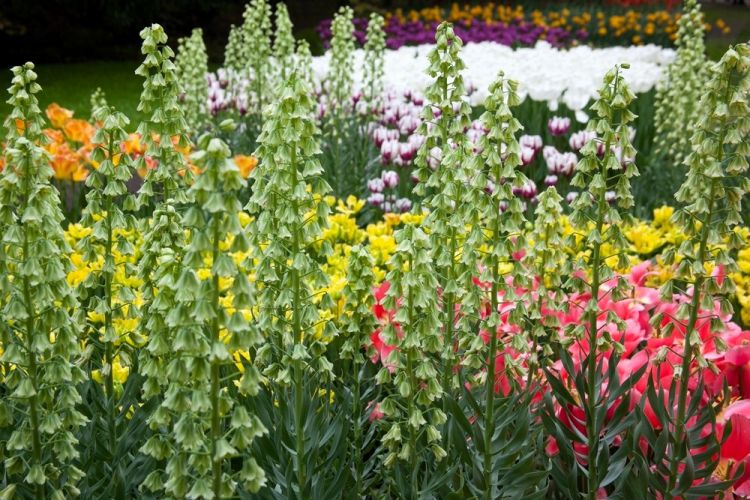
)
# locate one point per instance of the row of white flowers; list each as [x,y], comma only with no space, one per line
[569,76]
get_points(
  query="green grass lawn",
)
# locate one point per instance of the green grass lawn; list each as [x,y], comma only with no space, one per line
[71,85]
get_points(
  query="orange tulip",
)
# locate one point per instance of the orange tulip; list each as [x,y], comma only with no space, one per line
[79,130]
[58,115]
[68,165]
[246,164]
[54,136]
[132,145]
[151,164]
[185,150]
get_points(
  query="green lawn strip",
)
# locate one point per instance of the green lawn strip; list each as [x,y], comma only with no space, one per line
[70,85]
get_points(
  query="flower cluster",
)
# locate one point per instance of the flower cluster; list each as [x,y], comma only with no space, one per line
[645,347]
[204,328]
[544,73]
[192,65]
[395,132]
[70,144]
[517,26]
[679,93]
[647,241]
[40,328]
[71,141]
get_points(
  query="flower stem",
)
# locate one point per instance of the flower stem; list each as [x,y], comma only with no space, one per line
[36,441]
[533,366]
[109,348]
[356,420]
[298,339]
[489,426]
[410,399]
[592,391]
[687,355]
[215,372]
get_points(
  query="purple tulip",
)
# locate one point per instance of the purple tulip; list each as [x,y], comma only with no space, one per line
[516,33]
[389,151]
[376,185]
[558,126]
[434,157]
[531,141]
[382,134]
[376,199]
[390,179]
[559,163]
[528,190]
[527,155]
[409,123]
[403,205]
[579,139]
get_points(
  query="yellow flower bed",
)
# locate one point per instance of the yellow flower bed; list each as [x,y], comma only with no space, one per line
[648,240]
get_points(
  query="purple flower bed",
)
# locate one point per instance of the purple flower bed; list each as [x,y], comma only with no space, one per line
[416,33]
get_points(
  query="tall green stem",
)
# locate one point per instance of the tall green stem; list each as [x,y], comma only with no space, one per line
[298,339]
[687,355]
[592,391]
[448,298]
[540,301]
[592,431]
[489,420]
[449,306]
[36,441]
[108,349]
[356,420]
[215,372]
[410,399]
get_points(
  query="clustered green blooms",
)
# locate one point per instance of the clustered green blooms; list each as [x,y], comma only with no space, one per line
[160,266]
[304,64]
[191,65]
[451,192]
[500,225]
[413,417]
[255,50]
[97,100]
[359,321]
[39,332]
[204,425]
[340,78]
[108,191]
[610,171]
[163,123]
[677,97]
[374,63]
[712,193]
[339,86]
[233,51]
[160,269]
[289,219]
[283,43]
